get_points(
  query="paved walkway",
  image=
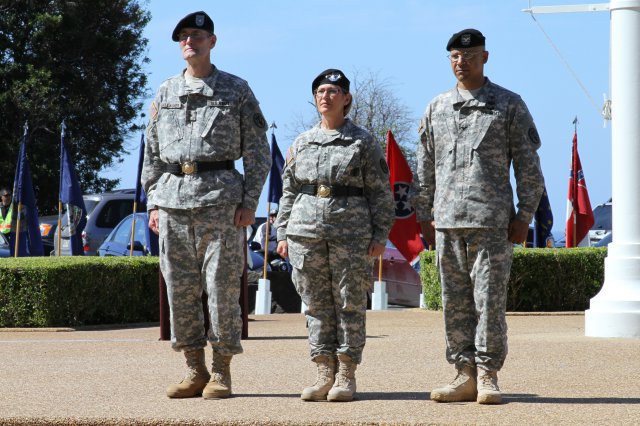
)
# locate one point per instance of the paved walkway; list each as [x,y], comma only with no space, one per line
[553,375]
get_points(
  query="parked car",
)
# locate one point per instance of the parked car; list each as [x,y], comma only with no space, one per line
[604,241]
[602,224]
[48,225]
[104,212]
[4,246]
[118,242]
[403,281]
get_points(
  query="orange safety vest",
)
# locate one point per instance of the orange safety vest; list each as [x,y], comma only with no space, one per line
[5,224]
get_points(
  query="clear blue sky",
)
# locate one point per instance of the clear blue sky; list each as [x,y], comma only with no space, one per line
[279,46]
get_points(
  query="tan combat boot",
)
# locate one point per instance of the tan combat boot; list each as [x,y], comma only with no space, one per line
[196,378]
[488,390]
[344,387]
[324,379]
[220,384]
[462,388]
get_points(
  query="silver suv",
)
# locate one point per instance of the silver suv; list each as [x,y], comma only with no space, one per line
[104,212]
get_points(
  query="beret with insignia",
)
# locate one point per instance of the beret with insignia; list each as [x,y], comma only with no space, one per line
[198,20]
[465,39]
[331,76]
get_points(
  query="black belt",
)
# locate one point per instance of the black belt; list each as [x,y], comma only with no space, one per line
[191,167]
[325,191]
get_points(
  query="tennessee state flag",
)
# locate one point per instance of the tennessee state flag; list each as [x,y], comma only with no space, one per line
[579,213]
[405,233]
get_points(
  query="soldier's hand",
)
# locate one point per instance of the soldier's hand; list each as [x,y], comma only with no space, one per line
[518,231]
[153,221]
[283,249]
[244,217]
[375,249]
[429,232]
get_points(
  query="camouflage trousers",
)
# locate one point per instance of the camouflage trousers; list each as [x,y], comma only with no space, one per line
[332,278]
[201,249]
[474,272]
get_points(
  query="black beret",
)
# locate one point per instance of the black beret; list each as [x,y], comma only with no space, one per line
[331,76]
[465,39]
[193,20]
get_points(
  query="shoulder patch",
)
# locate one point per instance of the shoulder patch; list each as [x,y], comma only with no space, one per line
[384,167]
[153,110]
[289,155]
[533,136]
[259,121]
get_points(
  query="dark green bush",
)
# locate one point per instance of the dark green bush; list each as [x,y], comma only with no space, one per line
[541,279]
[74,291]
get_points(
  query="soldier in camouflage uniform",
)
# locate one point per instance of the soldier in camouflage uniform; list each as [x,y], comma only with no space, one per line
[335,215]
[202,120]
[469,137]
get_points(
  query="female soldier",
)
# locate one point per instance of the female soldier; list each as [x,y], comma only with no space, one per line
[335,215]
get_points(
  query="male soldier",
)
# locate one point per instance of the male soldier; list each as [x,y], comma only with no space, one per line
[201,121]
[469,137]
[5,211]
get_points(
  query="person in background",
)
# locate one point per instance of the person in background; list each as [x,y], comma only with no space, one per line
[5,211]
[335,215]
[202,120]
[469,138]
[261,233]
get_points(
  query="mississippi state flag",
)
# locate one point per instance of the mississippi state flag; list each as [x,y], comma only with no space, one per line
[405,233]
[579,214]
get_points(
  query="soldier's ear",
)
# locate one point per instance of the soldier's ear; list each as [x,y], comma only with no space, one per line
[214,39]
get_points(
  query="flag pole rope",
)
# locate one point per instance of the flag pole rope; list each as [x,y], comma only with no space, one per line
[566,63]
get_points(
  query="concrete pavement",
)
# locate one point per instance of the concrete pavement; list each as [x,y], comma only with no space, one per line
[117,376]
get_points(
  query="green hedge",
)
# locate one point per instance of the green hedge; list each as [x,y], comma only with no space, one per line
[541,279]
[75,291]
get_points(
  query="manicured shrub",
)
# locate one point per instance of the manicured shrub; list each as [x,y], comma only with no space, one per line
[541,279]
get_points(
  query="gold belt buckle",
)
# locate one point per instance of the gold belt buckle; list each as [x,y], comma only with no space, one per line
[324,191]
[188,167]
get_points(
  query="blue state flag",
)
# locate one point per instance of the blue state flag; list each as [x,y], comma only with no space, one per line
[71,198]
[141,196]
[25,226]
[543,222]
[275,176]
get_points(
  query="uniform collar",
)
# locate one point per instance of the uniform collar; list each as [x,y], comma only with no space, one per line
[343,132]
[209,83]
[485,97]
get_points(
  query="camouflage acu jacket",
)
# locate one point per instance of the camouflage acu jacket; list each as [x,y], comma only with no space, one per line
[352,158]
[464,157]
[221,121]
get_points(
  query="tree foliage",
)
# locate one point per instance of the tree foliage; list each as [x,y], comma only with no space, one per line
[77,61]
[377,109]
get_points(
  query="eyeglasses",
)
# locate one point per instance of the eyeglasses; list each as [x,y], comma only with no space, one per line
[465,56]
[331,92]
[6,195]
[197,36]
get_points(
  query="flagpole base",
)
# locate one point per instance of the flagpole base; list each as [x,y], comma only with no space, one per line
[615,310]
[263,297]
[379,297]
